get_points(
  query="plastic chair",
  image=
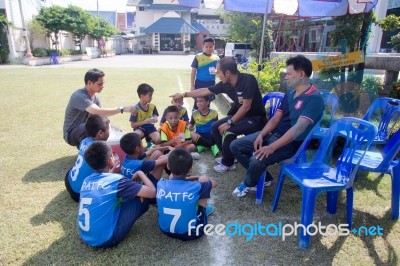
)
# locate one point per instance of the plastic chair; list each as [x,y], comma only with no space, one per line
[53,58]
[385,163]
[389,110]
[318,176]
[332,100]
[274,99]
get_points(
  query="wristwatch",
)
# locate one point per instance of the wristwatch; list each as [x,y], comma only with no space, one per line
[230,122]
[121,109]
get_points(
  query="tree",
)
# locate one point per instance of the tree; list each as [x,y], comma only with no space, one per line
[247,27]
[53,19]
[79,22]
[36,31]
[4,49]
[391,23]
[101,29]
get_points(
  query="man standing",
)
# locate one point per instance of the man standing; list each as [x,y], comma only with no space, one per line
[285,131]
[83,103]
[246,116]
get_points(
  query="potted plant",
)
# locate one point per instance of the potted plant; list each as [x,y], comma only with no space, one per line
[395,92]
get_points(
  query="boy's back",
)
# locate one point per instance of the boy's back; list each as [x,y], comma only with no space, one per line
[177,201]
[81,169]
[100,205]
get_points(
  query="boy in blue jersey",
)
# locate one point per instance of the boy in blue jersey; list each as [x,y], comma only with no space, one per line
[97,128]
[182,211]
[110,203]
[204,68]
[200,125]
[146,115]
[131,144]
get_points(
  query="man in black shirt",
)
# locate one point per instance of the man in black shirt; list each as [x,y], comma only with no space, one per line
[246,116]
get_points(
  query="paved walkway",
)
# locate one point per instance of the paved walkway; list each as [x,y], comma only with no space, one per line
[129,61]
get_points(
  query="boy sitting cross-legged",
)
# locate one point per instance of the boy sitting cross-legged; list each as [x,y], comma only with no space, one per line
[97,128]
[200,125]
[131,144]
[182,204]
[175,133]
[110,203]
[146,115]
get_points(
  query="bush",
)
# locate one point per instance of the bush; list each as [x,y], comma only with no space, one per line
[40,52]
[73,52]
[395,40]
[269,74]
[65,52]
[371,84]
[395,92]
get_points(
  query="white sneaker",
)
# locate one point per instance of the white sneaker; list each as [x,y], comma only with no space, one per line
[266,184]
[220,168]
[241,190]
[219,160]
[195,155]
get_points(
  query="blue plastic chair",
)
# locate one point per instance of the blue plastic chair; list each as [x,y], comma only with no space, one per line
[332,100]
[274,99]
[388,110]
[385,163]
[318,176]
[53,58]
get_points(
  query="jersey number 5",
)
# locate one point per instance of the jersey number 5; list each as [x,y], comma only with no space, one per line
[176,213]
[84,211]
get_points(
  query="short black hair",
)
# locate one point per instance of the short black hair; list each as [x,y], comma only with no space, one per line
[95,123]
[206,98]
[300,63]
[179,162]
[171,109]
[209,39]
[144,88]
[228,63]
[97,155]
[93,75]
[129,142]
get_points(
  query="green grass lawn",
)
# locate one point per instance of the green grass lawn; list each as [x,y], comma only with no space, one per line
[38,218]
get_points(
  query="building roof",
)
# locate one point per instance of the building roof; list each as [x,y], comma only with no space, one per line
[200,27]
[171,25]
[168,7]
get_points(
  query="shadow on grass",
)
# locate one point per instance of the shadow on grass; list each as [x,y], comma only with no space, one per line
[145,244]
[52,171]
[365,182]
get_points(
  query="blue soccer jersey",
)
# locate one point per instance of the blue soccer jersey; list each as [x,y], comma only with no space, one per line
[177,203]
[203,122]
[142,114]
[100,205]
[131,165]
[81,169]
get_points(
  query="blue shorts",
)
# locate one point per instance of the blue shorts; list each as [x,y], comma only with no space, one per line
[201,219]
[147,130]
[130,211]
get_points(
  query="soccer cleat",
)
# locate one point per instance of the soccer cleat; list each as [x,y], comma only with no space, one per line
[195,155]
[209,209]
[220,168]
[241,190]
[200,148]
[214,150]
